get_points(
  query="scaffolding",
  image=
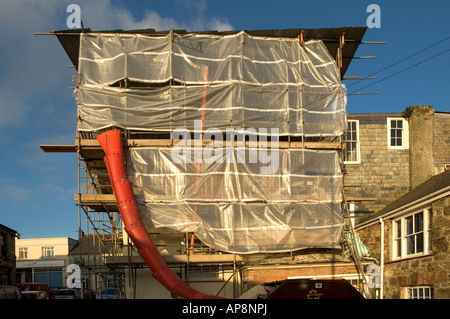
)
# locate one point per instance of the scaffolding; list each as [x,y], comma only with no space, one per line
[148,106]
[102,232]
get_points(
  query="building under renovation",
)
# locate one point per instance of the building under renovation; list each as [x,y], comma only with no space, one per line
[211,162]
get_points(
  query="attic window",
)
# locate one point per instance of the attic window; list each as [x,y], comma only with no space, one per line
[397,137]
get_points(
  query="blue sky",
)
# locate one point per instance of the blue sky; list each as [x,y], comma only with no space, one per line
[37,104]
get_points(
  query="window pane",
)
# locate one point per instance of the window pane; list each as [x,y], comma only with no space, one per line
[399,142]
[419,239]
[409,225]
[399,248]
[418,221]
[430,219]
[399,124]
[399,229]
[393,124]
[420,293]
[410,242]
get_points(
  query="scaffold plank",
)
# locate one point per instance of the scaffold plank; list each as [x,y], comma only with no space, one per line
[91,143]
[177,259]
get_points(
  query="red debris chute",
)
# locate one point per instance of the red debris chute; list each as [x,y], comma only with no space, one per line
[111,143]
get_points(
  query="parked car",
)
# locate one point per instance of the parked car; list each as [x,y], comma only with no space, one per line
[35,294]
[66,294]
[10,292]
[107,294]
[32,286]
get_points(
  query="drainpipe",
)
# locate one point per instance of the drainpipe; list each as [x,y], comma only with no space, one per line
[381,257]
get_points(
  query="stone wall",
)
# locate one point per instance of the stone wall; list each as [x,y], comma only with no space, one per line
[267,274]
[7,256]
[421,140]
[441,141]
[371,238]
[383,173]
[429,270]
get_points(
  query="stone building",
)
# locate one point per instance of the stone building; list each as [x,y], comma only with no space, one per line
[388,154]
[7,255]
[410,239]
[400,162]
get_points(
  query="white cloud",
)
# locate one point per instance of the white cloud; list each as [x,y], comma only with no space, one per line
[151,20]
[14,193]
[219,24]
[103,15]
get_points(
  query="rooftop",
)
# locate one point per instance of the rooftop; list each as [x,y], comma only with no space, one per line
[426,190]
[70,39]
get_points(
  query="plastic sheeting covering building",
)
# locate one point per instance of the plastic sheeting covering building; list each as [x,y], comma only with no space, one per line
[262,87]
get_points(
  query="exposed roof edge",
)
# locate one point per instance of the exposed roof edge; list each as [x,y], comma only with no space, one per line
[434,188]
[69,39]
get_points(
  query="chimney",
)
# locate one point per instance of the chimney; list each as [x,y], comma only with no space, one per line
[421,137]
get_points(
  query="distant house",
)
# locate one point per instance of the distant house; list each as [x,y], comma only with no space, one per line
[90,254]
[410,238]
[43,260]
[7,256]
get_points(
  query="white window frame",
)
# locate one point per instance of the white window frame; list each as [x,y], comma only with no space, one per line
[358,153]
[414,292]
[402,240]
[405,133]
[23,252]
[48,252]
